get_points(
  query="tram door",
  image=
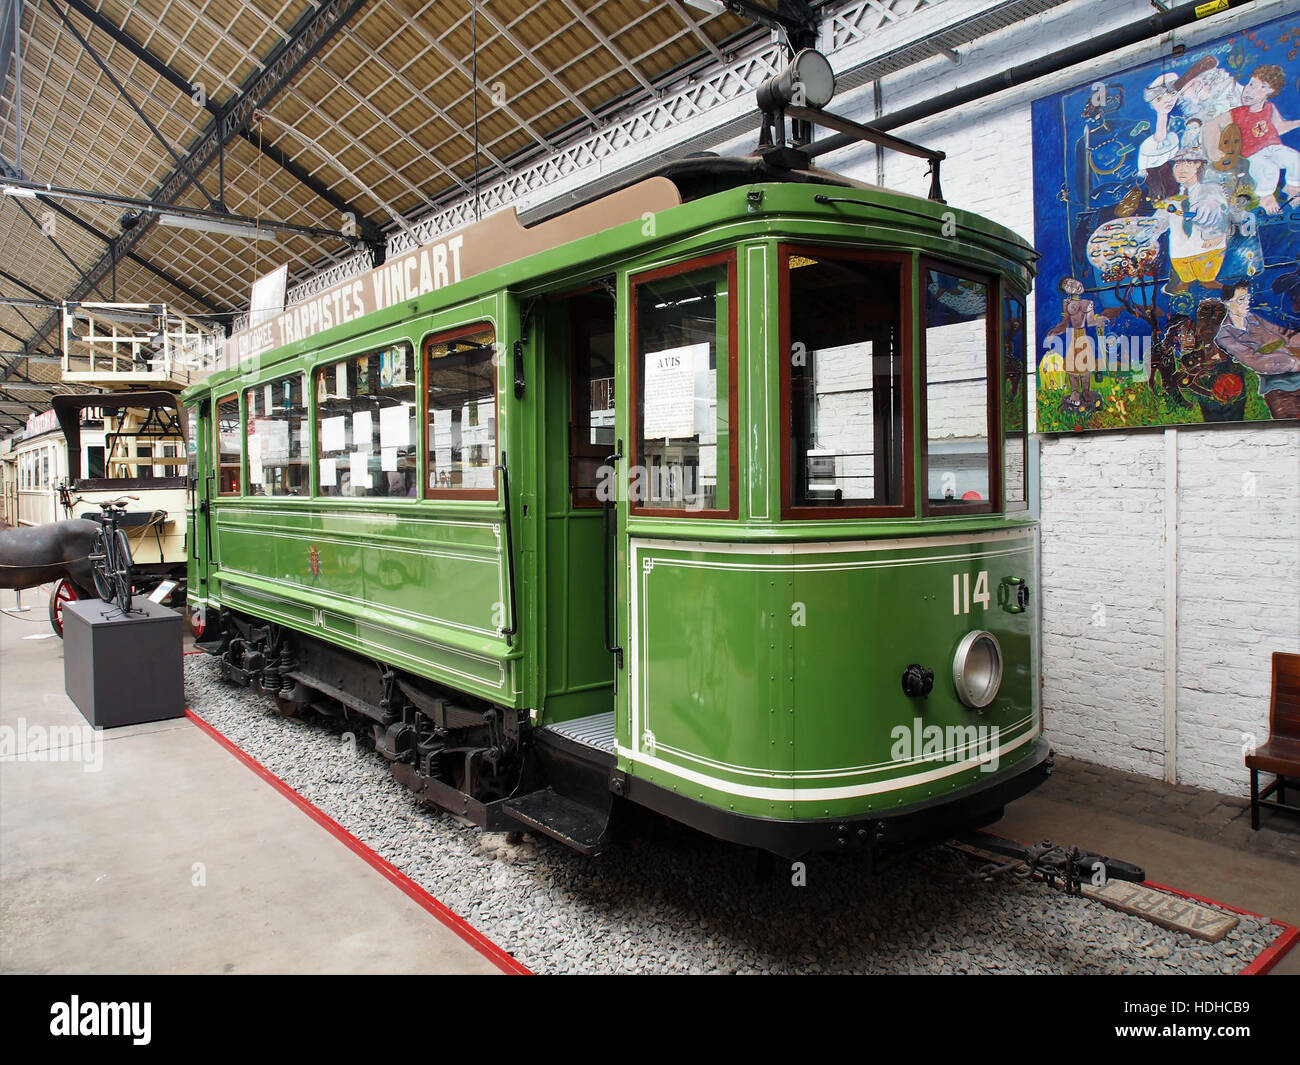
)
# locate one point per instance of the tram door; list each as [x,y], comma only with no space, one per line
[579,431]
[199,532]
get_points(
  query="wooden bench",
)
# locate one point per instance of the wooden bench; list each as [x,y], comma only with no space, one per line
[1280,755]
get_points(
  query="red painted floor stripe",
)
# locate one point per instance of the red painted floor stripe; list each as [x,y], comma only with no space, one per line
[471,935]
[1268,957]
[1274,952]
[1271,955]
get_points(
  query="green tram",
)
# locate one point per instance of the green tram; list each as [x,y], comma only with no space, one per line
[707,496]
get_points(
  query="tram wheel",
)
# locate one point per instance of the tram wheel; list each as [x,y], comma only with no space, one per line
[289,708]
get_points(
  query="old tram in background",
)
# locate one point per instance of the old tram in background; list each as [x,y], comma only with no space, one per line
[708,496]
[39,460]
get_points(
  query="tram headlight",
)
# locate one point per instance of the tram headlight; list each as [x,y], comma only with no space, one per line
[977,669]
[807,82]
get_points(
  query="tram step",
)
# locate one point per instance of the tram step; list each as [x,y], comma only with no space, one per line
[582,827]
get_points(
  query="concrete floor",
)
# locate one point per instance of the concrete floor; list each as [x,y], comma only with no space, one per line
[98,869]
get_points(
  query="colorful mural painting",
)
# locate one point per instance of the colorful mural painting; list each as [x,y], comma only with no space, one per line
[1167,210]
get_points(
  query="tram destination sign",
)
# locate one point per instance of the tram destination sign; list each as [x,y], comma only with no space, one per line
[484,245]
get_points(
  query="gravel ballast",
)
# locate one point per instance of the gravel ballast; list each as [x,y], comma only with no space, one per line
[668,899]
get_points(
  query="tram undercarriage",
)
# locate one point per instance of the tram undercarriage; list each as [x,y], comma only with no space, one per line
[490,765]
[456,752]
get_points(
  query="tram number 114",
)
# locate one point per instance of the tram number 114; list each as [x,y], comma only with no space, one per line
[962,596]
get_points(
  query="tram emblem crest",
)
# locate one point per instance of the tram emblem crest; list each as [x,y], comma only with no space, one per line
[313,560]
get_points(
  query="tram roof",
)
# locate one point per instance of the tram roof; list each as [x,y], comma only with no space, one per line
[498,252]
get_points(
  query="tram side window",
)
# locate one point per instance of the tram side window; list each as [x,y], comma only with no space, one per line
[229,438]
[847,415]
[959,405]
[1014,401]
[95,460]
[685,368]
[462,426]
[365,424]
[278,447]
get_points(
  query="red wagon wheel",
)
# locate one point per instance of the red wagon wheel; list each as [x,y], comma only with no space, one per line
[64,592]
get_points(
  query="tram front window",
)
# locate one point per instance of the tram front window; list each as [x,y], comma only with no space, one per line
[846,412]
[1014,403]
[959,410]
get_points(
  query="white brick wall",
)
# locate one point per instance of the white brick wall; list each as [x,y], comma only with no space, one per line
[1102,596]
[1103,495]
[1238,591]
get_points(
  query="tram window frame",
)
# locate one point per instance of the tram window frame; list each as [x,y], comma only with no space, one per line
[238,464]
[327,372]
[1021,434]
[299,447]
[906,506]
[585,456]
[442,337]
[733,436]
[992,394]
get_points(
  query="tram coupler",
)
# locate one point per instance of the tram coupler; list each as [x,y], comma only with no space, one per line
[1057,865]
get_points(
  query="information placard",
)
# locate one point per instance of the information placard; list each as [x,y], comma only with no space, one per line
[670,391]
[395,426]
[334,433]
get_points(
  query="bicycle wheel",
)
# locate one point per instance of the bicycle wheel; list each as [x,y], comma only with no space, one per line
[122,574]
[101,567]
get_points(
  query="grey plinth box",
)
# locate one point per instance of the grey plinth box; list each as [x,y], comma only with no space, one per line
[122,669]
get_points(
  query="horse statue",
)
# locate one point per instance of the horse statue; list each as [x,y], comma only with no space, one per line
[31,555]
